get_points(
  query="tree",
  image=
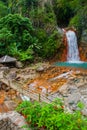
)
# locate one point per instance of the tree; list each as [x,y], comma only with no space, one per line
[63,11]
[17,31]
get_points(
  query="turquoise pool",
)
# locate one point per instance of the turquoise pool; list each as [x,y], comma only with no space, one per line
[71,64]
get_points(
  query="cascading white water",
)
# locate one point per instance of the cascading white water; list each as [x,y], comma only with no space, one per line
[73,52]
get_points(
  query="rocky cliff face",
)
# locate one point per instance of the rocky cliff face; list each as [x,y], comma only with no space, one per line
[83,51]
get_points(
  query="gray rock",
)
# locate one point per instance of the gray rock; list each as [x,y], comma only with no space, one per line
[40,69]
[63,89]
[7,59]
[12,75]
[73,98]
[4,68]
[84,112]
[72,89]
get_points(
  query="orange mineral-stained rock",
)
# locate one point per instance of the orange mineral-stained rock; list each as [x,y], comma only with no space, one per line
[2,97]
[43,84]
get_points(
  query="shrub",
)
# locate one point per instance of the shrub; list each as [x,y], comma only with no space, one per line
[52,44]
[6,37]
[17,31]
[52,116]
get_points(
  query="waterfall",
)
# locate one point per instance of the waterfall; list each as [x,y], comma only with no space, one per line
[73,52]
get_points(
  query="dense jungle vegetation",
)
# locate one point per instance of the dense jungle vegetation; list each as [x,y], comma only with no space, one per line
[28,28]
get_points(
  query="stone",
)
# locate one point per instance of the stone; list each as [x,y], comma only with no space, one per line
[13,97]
[7,88]
[4,86]
[12,75]
[12,92]
[84,112]
[10,105]
[73,98]
[7,59]
[72,89]
[40,69]
[19,64]
[4,68]
[63,89]
[12,121]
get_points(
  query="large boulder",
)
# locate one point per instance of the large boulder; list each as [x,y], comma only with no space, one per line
[7,59]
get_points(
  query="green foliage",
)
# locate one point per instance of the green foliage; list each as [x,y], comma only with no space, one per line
[63,11]
[83,15]
[6,37]
[79,21]
[52,44]
[52,116]
[66,10]
[80,105]
[76,21]
[19,38]
[26,55]
[21,7]
[19,54]
[45,23]
[41,17]
[17,34]
[30,3]
[3,9]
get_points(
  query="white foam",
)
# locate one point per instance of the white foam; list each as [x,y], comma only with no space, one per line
[78,62]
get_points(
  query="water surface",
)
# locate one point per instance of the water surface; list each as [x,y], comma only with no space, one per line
[72,64]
